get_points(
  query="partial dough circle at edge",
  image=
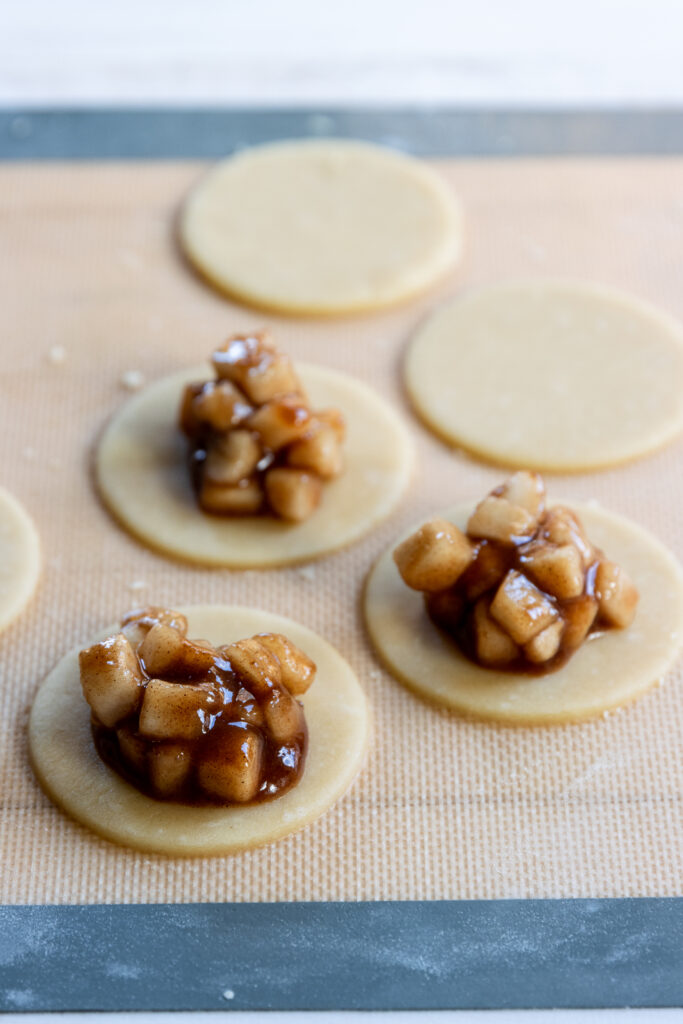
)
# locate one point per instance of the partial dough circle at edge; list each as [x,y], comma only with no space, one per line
[19,557]
[606,673]
[143,478]
[72,774]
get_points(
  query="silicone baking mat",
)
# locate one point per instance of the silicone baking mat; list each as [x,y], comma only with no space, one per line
[445,810]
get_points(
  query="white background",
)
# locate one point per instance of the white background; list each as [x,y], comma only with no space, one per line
[310,52]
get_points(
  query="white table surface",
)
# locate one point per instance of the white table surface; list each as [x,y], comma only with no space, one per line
[313,53]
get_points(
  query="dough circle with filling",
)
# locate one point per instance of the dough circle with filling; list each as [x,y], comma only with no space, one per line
[607,672]
[143,477]
[549,375]
[79,782]
[321,228]
[19,558]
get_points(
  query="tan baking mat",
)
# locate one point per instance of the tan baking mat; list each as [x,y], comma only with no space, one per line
[444,808]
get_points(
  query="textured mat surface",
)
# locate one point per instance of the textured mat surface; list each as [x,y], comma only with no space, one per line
[445,809]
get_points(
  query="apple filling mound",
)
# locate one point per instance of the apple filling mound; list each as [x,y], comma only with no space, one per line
[523,587]
[186,721]
[255,444]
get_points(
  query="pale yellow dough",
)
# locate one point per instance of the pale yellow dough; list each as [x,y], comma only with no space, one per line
[608,672]
[19,558]
[549,375]
[77,780]
[322,228]
[142,472]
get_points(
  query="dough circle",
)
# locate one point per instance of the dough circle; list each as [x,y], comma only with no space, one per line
[606,673]
[549,375]
[78,781]
[321,227]
[142,474]
[19,558]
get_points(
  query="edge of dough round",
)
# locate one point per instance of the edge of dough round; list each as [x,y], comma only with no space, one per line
[74,777]
[421,657]
[21,568]
[133,479]
[667,433]
[433,270]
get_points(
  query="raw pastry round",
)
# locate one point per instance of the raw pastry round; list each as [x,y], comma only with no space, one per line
[78,781]
[549,375]
[19,558]
[605,673]
[321,227]
[142,473]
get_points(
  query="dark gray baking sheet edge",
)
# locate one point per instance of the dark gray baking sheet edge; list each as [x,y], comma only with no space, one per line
[205,133]
[481,954]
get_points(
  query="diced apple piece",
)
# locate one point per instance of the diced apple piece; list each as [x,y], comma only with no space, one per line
[545,644]
[284,716]
[188,420]
[241,353]
[137,624]
[176,711]
[165,652]
[169,768]
[526,490]
[231,769]
[280,422]
[206,644]
[256,366]
[111,679]
[257,668]
[493,646]
[196,659]
[293,494]
[152,614]
[297,670]
[557,570]
[562,526]
[168,617]
[433,557]
[487,569]
[579,616]
[248,708]
[617,596]
[274,378]
[335,419]
[498,519]
[133,749]
[242,499]
[220,405]
[318,451]
[135,632]
[445,607]
[521,608]
[231,457]
[160,651]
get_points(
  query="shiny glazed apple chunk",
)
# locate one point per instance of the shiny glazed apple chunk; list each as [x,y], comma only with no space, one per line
[255,445]
[186,721]
[523,587]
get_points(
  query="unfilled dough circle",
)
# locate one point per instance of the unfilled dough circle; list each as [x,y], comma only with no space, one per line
[322,228]
[605,673]
[79,782]
[19,558]
[549,375]
[143,477]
